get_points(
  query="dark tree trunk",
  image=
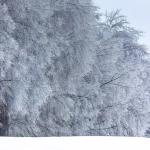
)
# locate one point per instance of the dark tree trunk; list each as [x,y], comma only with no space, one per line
[3,119]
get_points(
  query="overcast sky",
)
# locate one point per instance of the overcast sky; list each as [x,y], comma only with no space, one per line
[137,12]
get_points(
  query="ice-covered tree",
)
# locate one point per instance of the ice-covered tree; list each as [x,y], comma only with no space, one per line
[124,68]
[71,72]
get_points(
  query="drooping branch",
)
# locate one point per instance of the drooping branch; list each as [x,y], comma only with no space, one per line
[112,80]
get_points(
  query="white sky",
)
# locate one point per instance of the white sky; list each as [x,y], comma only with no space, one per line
[137,12]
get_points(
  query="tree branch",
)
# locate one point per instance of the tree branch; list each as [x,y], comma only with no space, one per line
[112,80]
